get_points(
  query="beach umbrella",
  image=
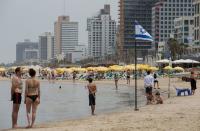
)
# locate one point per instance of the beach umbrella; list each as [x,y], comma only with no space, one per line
[2,69]
[153,68]
[168,68]
[129,67]
[191,61]
[101,69]
[178,68]
[115,68]
[164,61]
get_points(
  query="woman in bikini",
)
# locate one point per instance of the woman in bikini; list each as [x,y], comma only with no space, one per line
[32,97]
[16,95]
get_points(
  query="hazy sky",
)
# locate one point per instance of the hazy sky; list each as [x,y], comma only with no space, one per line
[27,19]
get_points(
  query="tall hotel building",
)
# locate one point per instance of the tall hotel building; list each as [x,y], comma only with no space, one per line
[46,42]
[101,34]
[163,15]
[197,22]
[66,36]
[131,11]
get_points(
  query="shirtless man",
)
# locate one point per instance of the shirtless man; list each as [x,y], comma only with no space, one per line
[92,90]
[16,95]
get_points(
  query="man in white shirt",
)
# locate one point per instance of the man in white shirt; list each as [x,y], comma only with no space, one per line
[148,84]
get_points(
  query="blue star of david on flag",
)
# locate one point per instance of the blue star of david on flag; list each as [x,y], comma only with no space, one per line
[141,33]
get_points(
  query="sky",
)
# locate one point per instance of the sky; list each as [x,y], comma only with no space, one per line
[27,19]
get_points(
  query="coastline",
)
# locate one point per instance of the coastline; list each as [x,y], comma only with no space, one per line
[177,113]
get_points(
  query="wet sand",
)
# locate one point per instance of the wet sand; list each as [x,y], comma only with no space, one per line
[176,114]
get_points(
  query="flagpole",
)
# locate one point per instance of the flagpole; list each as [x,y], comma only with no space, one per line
[136,109]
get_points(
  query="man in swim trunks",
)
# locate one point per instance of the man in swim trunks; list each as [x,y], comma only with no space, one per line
[16,95]
[92,90]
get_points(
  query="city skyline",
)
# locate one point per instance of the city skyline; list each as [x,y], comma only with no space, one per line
[33,17]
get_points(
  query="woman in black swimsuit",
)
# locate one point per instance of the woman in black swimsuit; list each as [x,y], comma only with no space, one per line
[193,83]
[32,97]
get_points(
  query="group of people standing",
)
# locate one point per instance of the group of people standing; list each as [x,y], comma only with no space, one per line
[31,96]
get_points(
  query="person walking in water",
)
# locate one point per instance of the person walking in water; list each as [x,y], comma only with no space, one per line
[92,91]
[32,97]
[193,83]
[16,95]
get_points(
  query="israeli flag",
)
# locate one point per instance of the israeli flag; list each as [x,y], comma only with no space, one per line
[141,33]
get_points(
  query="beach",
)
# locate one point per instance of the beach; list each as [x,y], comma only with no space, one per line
[176,114]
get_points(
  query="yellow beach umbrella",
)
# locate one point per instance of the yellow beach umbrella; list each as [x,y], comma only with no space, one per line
[129,67]
[2,69]
[168,68]
[153,68]
[101,69]
[116,68]
[178,68]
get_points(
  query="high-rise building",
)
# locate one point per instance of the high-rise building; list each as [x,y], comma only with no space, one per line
[21,47]
[131,11]
[197,22]
[66,36]
[101,34]
[163,14]
[31,55]
[184,29]
[45,46]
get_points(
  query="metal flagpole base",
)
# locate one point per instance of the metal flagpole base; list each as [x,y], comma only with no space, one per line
[136,109]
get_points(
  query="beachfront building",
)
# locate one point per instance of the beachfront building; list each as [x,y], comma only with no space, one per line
[197,22]
[131,11]
[184,30]
[164,13]
[101,34]
[46,41]
[21,47]
[66,36]
[31,55]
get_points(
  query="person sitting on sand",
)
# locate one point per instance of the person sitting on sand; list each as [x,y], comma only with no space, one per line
[148,84]
[92,91]
[158,98]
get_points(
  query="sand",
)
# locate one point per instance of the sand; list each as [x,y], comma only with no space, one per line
[176,114]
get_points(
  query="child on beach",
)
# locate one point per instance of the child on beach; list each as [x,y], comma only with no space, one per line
[158,98]
[92,91]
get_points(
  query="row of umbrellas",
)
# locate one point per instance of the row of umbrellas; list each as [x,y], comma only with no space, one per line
[181,61]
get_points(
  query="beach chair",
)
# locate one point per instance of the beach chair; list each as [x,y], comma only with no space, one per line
[180,90]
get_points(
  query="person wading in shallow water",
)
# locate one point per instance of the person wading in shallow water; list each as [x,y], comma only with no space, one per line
[32,97]
[92,89]
[16,95]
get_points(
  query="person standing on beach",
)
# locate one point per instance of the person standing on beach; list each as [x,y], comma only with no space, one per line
[128,76]
[116,78]
[16,95]
[74,76]
[155,81]
[148,84]
[193,83]
[32,97]
[92,91]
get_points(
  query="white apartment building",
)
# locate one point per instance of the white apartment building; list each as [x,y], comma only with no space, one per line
[163,14]
[101,34]
[66,36]
[46,42]
[197,22]
[184,29]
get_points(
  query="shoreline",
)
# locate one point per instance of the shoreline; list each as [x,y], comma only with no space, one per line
[178,113]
